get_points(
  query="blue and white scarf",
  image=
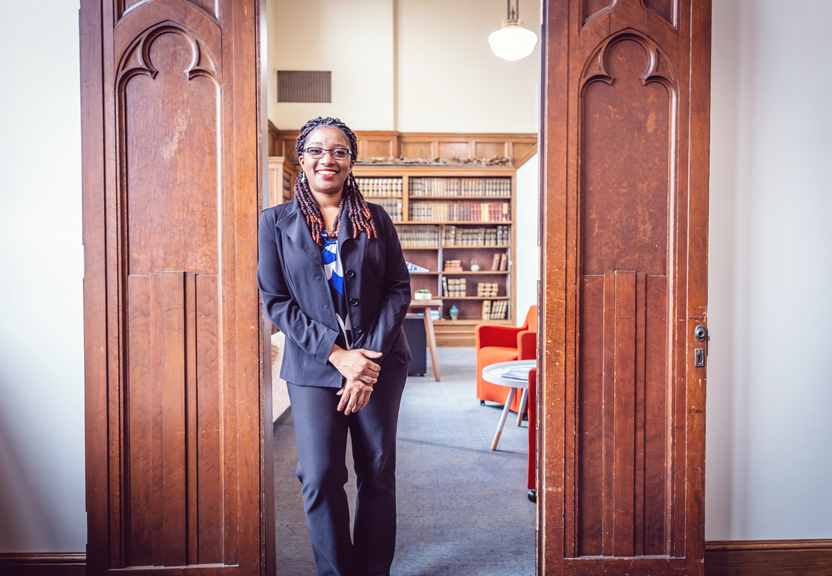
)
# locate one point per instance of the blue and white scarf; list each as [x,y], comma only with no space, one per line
[334,270]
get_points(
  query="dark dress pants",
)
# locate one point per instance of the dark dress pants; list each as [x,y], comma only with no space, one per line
[321,436]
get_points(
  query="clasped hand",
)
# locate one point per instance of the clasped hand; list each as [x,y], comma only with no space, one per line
[359,372]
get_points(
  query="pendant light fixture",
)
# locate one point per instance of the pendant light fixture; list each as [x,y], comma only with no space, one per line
[512,42]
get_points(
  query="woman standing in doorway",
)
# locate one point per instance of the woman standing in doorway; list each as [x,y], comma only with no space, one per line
[333,279]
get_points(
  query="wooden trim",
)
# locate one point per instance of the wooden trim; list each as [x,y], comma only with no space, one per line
[736,545]
[268,547]
[422,170]
[519,147]
[93,187]
[43,564]
[768,558]
[722,558]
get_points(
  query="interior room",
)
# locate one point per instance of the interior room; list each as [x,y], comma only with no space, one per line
[438,116]
[419,75]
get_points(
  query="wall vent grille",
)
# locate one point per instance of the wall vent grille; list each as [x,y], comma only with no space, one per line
[304,86]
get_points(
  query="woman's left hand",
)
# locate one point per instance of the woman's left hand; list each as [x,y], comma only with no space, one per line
[354,396]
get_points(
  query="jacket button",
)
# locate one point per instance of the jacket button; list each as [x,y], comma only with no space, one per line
[357,330]
[318,278]
[350,273]
[353,301]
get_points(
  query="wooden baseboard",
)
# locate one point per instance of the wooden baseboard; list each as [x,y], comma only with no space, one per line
[722,558]
[769,558]
[57,564]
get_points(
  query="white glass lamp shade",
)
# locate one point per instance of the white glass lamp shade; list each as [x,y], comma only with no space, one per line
[512,41]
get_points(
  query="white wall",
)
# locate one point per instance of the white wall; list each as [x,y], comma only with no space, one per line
[770,369]
[719,447]
[448,80]
[353,40]
[41,269]
[407,65]
[525,256]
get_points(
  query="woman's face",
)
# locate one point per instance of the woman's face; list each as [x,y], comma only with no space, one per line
[326,175]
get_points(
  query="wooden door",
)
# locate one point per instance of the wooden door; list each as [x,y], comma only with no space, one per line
[626,92]
[171,164]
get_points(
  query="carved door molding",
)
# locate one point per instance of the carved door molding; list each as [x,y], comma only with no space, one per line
[174,386]
[625,122]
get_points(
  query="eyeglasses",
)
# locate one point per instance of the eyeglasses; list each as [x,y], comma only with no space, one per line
[337,153]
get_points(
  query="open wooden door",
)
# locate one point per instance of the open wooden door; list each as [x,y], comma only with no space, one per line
[626,95]
[174,385]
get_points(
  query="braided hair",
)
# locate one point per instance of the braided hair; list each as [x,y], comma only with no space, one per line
[351,199]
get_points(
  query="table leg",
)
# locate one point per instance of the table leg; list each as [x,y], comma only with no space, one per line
[432,344]
[523,399]
[503,417]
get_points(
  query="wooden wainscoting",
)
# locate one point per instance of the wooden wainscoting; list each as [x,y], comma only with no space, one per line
[768,558]
[722,558]
[57,564]
[385,143]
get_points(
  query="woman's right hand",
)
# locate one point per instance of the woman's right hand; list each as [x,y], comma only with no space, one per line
[356,364]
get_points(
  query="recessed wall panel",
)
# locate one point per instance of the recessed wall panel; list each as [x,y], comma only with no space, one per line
[626,158]
[170,160]
[626,199]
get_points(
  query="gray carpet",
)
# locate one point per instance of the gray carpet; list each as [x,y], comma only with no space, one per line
[462,509]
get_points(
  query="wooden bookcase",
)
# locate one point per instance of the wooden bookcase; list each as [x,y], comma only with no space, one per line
[451,213]
[282,174]
[383,146]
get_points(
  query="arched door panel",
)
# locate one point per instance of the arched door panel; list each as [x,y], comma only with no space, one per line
[625,171]
[174,383]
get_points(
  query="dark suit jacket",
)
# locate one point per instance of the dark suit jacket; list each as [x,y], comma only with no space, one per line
[297,299]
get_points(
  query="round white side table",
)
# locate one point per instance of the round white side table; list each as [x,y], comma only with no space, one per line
[494,374]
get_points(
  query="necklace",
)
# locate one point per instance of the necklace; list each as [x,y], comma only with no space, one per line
[335,225]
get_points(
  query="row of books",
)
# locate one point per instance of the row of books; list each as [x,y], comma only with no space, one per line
[498,264]
[460,186]
[428,236]
[494,309]
[460,211]
[459,236]
[454,287]
[392,206]
[288,186]
[418,236]
[380,187]
[487,289]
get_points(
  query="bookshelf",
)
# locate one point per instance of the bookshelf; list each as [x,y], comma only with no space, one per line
[396,184]
[282,174]
[453,213]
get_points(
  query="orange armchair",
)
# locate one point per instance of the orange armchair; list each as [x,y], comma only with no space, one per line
[502,344]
